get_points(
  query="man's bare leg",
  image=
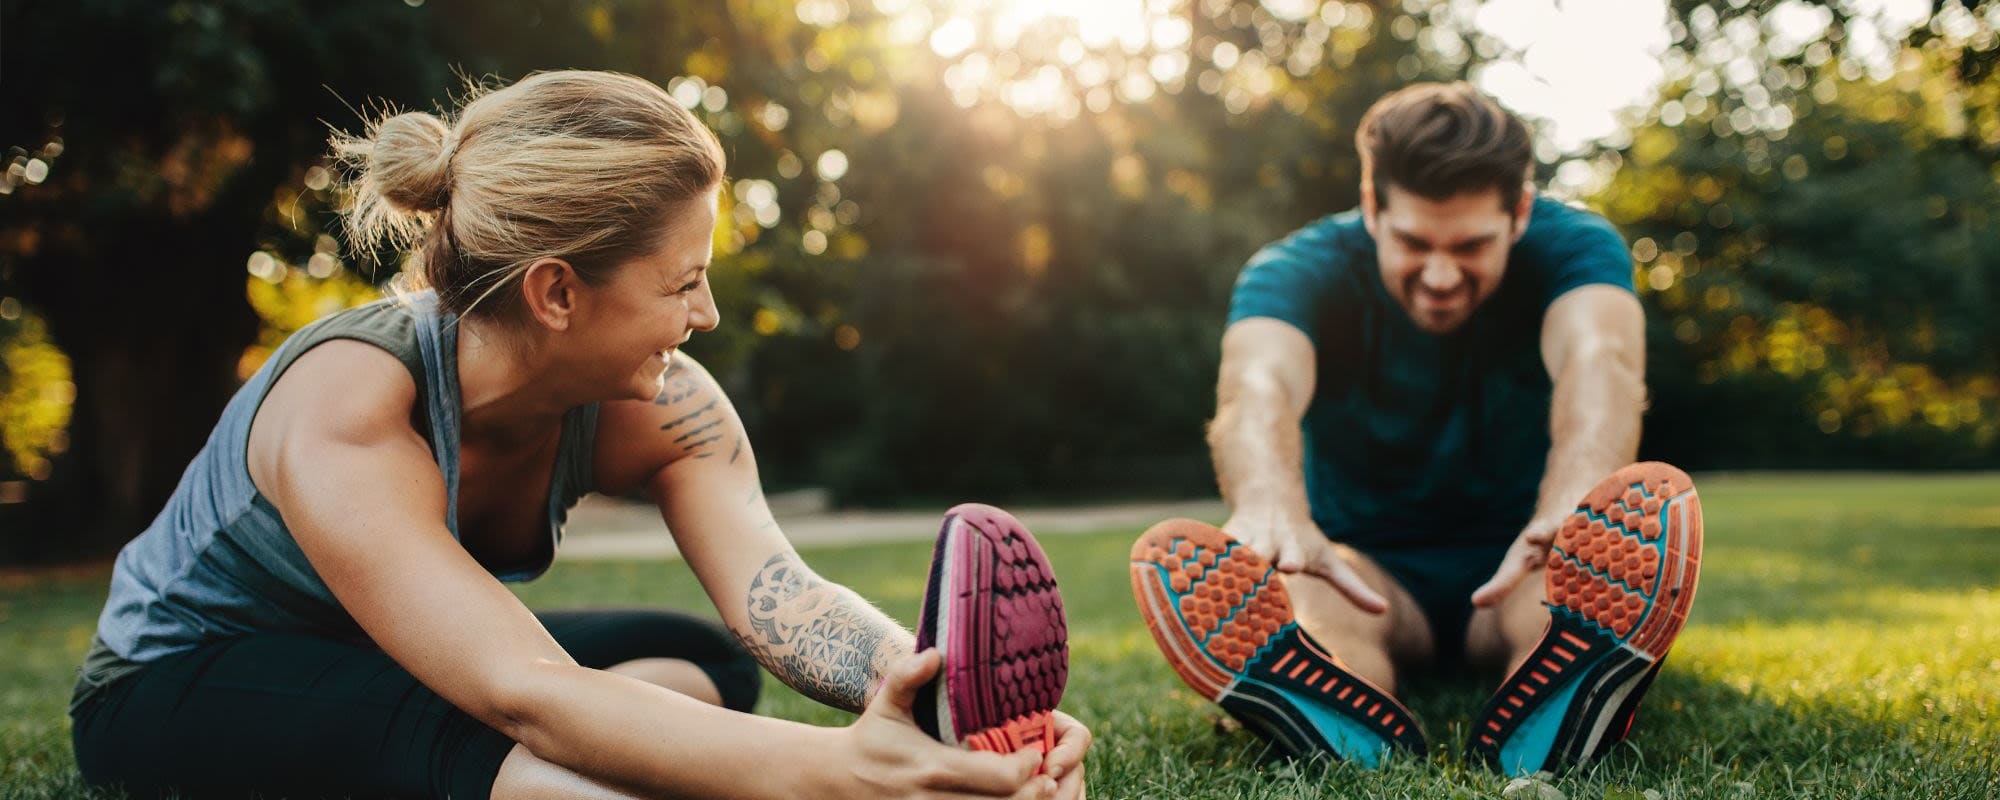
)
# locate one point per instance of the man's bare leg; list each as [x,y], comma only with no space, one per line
[525,777]
[1501,637]
[1371,645]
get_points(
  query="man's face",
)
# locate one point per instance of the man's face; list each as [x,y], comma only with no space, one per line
[1441,258]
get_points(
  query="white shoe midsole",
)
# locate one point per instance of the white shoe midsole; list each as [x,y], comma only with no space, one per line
[947,595]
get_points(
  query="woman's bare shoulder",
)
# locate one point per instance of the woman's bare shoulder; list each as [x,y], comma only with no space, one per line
[343,391]
[690,418]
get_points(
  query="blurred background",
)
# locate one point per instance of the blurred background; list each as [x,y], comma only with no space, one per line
[1008,228]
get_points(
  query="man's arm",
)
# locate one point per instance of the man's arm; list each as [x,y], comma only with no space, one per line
[1265,384]
[1261,394]
[1594,346]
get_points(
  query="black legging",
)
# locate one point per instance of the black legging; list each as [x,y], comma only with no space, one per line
[292,715]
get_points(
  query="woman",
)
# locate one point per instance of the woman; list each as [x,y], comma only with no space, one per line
[319,609]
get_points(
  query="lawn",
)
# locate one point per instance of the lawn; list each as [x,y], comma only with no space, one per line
[1845,644]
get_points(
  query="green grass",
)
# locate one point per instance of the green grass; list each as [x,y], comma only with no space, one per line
[1846,644]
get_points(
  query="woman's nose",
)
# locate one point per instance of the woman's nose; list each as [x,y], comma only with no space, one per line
[702,315]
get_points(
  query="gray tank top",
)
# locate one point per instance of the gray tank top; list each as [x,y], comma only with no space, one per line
[219,562]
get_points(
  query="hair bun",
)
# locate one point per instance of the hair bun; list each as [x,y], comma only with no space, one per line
[409,163]
[583,166]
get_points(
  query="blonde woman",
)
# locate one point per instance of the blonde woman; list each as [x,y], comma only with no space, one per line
[319,610]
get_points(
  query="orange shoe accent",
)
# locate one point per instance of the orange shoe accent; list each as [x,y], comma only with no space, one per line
[1221,615]
[1620,582]
[1614,574]
[1236,617]
[1035,731]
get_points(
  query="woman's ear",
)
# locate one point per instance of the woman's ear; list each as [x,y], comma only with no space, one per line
[549,289]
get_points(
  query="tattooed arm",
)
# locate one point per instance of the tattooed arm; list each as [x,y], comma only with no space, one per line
[688,450]
[819,638]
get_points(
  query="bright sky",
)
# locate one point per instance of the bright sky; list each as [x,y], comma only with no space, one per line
[1583,61]
[1580,63]
[1575,64]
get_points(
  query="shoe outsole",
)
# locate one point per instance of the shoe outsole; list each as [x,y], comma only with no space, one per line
[1620,581]
[992,608]
[1225,623]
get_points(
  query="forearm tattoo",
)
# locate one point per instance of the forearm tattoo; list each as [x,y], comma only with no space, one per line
[702,424]
[818,638]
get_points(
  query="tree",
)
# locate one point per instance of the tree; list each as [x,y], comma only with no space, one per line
[164,133]
[971,251]
[1818,248]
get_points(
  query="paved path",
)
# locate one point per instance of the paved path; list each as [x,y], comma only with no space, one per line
[604,528]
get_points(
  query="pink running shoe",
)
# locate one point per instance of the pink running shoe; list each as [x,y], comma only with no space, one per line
[992,610]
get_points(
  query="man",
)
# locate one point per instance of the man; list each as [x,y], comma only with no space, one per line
[1416,400]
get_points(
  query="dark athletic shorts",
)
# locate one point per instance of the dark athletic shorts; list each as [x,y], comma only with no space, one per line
[1441,578]
[294,715]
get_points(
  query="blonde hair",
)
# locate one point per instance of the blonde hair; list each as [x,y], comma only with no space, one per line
[576,165]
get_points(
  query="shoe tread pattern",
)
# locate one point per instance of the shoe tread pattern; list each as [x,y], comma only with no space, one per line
[1017,633]
[1223,618]
[1620,582]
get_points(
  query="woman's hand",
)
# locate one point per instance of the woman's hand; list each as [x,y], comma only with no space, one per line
[1065,762]
[884,754]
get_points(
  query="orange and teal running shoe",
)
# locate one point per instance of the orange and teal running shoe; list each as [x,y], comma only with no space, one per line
[1620,580]
[1224,621]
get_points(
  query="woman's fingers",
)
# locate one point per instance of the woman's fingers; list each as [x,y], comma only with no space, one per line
[984,774]
[1071,786]
[899,689]
[1072,739]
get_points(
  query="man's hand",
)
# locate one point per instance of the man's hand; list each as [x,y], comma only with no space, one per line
[1528,553]
[1295,544]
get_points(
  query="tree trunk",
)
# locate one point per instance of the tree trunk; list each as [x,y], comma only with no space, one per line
[154,324]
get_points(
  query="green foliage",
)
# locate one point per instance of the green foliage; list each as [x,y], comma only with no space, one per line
[157,146]
[1820,258]
[998,263]
[35,393]
[1040,286]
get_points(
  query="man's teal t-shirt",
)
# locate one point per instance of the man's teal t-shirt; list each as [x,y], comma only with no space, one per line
[1416,439]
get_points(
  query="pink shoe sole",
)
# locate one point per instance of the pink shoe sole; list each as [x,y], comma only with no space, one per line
[992,608]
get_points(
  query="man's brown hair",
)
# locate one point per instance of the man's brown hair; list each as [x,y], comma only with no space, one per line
[1440,140]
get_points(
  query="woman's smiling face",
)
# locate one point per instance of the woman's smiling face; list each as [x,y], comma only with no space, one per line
[652,304]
